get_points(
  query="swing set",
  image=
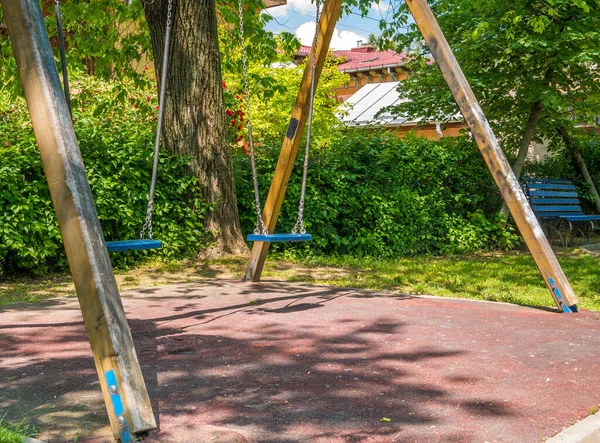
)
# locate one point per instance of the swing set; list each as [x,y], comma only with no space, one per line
[142,243]
[261,233]
[125,394]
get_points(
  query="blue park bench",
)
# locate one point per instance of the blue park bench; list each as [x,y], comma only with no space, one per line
[555,202]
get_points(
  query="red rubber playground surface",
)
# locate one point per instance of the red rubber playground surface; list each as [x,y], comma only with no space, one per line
[283,362]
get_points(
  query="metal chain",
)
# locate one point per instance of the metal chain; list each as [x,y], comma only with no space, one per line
[260,223]
[63,56]
[147,227]
[169,11]
[299,226]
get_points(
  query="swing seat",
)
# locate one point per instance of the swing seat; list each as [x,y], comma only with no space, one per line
[279,238]
[132,245]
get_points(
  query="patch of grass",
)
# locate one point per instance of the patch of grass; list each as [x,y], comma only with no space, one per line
[26,289]
[502,277]
[15,433]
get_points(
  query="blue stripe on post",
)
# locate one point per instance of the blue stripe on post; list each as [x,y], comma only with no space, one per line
[117,404]
[558,295]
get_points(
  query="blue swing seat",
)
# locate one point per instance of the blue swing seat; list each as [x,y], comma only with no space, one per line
[132,245]
[278,238]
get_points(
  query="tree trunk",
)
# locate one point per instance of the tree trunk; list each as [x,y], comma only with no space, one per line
[579,163]
[534,117]
[195,121]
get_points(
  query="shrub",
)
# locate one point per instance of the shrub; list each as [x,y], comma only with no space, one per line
[114,125]
[373,194]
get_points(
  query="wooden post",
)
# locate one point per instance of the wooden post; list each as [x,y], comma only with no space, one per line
[536,241]
[291,142]
[105,321]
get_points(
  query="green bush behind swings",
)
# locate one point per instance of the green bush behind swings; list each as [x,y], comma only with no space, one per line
[373,194]
[114,126]
[369,194]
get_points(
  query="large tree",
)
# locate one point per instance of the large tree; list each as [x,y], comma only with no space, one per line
[194,110]
[195,119]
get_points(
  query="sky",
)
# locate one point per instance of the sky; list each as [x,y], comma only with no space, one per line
[298,17]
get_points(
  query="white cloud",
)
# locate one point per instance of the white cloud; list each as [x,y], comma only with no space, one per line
[381,6]
[340,39]
[303,6]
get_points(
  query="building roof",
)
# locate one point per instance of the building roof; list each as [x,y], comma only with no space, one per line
[363,106]
[273,3]
[362,58]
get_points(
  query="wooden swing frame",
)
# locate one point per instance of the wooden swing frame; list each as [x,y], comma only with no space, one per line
[120,376]
[507,183]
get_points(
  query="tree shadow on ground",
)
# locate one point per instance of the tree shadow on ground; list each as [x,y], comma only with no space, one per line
[267,373]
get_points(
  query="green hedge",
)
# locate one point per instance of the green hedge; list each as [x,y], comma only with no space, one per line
[114,126]
[371,193]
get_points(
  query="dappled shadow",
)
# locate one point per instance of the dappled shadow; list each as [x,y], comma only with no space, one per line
[274,362]
[489,408]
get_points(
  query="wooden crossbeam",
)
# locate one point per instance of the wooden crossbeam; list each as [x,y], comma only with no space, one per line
[103,314]
[530,229]
[291,142]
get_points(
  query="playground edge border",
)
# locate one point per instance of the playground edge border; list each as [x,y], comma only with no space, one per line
[584,431]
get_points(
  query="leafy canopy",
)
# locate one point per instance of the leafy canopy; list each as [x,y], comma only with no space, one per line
[514,54]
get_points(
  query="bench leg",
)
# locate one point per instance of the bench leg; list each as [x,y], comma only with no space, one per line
[569,235]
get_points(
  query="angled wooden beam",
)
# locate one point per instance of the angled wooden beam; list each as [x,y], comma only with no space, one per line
[118,369]
[291,142]
[536,241]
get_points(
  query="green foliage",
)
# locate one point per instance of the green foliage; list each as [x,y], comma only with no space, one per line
[271,107]
[262,47]
[117,141]
[514,54]
[372,194]
[108,39]
[14,433]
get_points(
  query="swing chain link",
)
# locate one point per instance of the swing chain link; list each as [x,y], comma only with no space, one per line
[299,226]
[148,223]
[169,11]
[147,227]
[260,223]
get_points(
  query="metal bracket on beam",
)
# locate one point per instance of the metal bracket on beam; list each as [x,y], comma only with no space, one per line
[118,409]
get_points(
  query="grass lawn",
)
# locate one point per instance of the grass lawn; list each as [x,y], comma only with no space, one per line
[505,277]
[14,433]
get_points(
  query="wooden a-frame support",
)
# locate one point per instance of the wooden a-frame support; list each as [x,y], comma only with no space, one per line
[507,183]
[119,372]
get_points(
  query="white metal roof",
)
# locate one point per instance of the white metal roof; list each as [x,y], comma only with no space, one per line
[361,108]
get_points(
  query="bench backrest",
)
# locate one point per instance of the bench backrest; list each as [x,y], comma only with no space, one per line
[551,198]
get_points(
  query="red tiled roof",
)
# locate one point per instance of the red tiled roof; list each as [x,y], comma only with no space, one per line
[363,58]
[304,50]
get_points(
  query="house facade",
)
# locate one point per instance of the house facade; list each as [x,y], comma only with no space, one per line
[374,78]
